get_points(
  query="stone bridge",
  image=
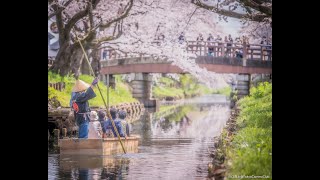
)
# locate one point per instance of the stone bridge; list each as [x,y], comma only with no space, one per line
[215,64]
[242,59]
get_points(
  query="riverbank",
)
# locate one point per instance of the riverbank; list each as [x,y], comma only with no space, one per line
[171,89]
[244,149]
[117,96]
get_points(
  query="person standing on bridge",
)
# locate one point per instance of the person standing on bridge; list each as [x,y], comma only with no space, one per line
[269,48]
[228,50]
[210,48]
[239,54]
[82,92]
[104,55]
[239,46]
[263,44]
[229,44]
[220,45]
[182,38]
[200,38]
[199,42]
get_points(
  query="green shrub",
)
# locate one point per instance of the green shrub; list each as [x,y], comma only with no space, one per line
[250,152]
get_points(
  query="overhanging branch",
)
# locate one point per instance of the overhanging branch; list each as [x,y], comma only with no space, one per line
[75,19]
[60,9]
[259,17]
[128,8]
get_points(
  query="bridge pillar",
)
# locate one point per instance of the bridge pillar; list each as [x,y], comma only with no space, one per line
[142,89]
[112,80]
[257,78]
[242,85]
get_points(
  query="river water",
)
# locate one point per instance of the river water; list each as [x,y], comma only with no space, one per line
[175,144]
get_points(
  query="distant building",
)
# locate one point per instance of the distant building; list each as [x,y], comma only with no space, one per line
[53,38]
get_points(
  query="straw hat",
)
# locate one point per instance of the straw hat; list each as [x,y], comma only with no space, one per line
[80,86]
[93,115]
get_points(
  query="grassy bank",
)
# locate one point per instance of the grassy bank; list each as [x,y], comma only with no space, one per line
[250,150]
[186,87]
[225,91]
[116,96]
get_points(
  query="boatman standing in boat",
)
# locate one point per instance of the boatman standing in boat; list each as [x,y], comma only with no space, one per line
[82,92]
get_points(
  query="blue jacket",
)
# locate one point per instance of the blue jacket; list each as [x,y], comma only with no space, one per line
[108,126]
[82,101]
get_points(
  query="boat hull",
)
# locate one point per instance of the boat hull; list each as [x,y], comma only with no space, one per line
[106,146]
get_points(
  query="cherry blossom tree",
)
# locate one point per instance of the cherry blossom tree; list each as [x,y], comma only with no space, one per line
[148,27]
[84,18]
[151,20]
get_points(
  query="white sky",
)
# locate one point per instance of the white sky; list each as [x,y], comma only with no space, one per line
[231,27]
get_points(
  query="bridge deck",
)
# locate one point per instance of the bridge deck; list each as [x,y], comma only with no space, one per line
[215,64]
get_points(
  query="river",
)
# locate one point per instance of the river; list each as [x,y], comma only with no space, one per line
[175,144]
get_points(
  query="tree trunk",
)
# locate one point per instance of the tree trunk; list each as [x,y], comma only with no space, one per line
[77,59]
[62,62]
[85,69]
[95,64]
[69,60]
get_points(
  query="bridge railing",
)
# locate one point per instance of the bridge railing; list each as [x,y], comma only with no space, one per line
[207,48]
[222,49]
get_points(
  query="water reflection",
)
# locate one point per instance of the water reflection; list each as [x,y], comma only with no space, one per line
[174,145]
[191,122]
[92,167]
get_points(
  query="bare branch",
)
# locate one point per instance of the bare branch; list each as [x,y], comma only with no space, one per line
[137,13]
[257,5]
[191,16]
[95,3]
[60,24]
[90,15]
[108,38]
[60,9]
[111,38]
[115,28]
[75,19]
[108,24]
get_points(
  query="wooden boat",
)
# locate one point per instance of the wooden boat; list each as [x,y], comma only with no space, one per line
[106,146]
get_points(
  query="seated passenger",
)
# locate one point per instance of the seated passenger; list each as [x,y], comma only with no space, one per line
[110,131]
[95,130]
[124,123]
